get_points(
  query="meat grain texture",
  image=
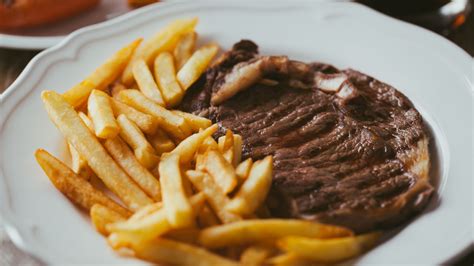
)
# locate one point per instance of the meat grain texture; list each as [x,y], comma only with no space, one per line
[356,156]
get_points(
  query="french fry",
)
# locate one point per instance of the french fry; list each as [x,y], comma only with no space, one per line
[290,259]
[208,143]
[255,231]
[122,154]
[101,216]
[178,209]
[76,132]
[254,190]
[146,83]
[207,218]
[196,65]
[165,75]
[102,76]
[78,164]
[165,40]
[173,124]
[75,188]
[143,226]
[226,146]
[237,150]
[188,147]
[329,250]
[161,142]
[135,138]
[186,235]
[87,122]
[196,122]
[102,116]
[147,123]
[184,48]
[255,255]
[243,169]
[116,89]
[164,251]
[221,171]
[214,195]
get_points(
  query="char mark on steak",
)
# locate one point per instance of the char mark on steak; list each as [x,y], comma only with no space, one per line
[348,149]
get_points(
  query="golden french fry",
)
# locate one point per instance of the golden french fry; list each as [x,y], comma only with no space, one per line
[146,224]
[207,217]
[75,188]
[196,65]
[116,89]
[165,75]
[122,154]
[291,259]
[329,250]
[208,143]
[214,195]
[165,40]
[161,142]
[226,146]
[243,169]
[188,147]
[200,162]
[184,48]
[78,164]
[87,121]
[237,150]
[147,123]
[146,83]
[102,116]
[171,123]
[255,188]
[254,231]
[255,255]
[177,206]
[221,171]
[101,216]
[76,132]
[134,137]
[196,122]
[164,251]
[186,235]
[102,76]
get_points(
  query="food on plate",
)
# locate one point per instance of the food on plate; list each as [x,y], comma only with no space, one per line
[146,83]
[102,215]
[196,65]
[122,154]
[165,75]
[100,111]
[74,187]
[164,40]
[184,48]
[143,150]
[331,250]
[18,14]
[102,77]
[250,159]
[71,126]
[355,156]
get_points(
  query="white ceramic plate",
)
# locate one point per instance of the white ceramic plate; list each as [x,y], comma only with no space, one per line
[435,74]
[47,36]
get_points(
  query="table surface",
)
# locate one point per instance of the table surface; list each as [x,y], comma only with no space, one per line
[12,62]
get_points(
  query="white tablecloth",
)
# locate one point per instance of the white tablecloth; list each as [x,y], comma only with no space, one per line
[11,255]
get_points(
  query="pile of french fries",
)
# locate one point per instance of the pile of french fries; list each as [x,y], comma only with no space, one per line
[185,198]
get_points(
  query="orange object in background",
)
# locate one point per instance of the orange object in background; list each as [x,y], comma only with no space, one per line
[18,14]
[139,3]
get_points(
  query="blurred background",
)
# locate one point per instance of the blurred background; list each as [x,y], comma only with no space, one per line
[26,29]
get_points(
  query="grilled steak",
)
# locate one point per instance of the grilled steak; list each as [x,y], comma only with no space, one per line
[348,149]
